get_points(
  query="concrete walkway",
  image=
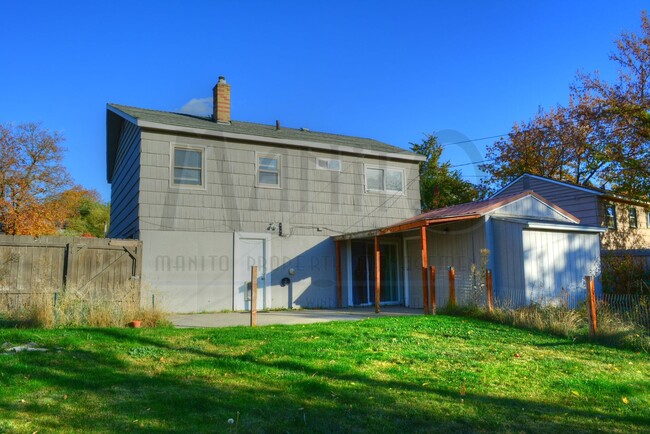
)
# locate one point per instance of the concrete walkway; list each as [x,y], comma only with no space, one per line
[306,316]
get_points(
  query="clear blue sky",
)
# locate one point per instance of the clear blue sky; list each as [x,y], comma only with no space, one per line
[387,70]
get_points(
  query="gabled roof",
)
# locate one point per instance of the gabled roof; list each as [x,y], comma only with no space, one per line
[248,131]
[601,192]
[456,213]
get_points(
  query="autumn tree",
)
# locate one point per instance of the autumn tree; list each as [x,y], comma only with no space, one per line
[31,179]
[601,138]
[86,214]
[440,184]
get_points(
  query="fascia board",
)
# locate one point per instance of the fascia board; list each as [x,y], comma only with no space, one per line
[282,142]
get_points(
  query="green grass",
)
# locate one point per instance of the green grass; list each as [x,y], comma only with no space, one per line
[398,374]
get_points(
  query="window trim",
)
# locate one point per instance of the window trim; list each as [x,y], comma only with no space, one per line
[401,192]
[632,211]
[202,150]
[329,160]
[259,155]
[614,226]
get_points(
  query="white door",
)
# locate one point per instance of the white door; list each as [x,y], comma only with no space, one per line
[249,252]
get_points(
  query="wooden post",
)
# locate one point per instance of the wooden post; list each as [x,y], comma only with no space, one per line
[432,298]
[425,264]
[591,306]
[377,276]
[253,295]
[339,287]
[452,286]
[488,288]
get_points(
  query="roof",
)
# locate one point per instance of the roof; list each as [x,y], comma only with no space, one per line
[601,192]
[456,213]
[205,125]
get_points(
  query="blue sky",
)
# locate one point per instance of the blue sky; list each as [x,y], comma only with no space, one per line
[392,71]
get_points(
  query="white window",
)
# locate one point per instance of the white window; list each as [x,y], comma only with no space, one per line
[328,164]
[268,170]
[610,216]
[187,166]
[633,218]
[384,179]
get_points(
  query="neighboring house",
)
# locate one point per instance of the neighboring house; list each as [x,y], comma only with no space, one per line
[627,220]
[536,250]
[210,197]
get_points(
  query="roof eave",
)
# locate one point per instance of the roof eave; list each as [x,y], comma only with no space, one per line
[284,142]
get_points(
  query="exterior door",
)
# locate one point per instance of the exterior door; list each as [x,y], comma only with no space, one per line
[363,273]
[250,252]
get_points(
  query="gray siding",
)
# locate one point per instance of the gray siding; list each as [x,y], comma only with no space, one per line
[581,204]
[126,180]
[310,198]
[530,206]
[456,245]
[508,276]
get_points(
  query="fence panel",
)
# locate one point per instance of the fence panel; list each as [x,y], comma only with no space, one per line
[90,268]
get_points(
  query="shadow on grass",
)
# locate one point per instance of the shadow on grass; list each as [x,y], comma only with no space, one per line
[111,391]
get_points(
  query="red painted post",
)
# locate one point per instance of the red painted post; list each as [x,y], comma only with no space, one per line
[339,286]
[488,288]
[591,305]
[425,264]
[432,298]
[452,286]
[377,276]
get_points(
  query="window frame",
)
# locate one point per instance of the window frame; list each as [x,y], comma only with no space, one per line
[329,160]
[614,225]
[384,169]
[278,157]
[632,215]
[172,165]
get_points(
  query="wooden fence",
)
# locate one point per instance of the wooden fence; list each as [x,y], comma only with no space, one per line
[90,268]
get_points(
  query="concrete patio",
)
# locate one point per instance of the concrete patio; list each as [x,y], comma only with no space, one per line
[302,316]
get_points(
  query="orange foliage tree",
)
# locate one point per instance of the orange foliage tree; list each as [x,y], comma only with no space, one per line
[32,178]
[601,138]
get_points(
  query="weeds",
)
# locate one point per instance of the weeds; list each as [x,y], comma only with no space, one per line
[67,309]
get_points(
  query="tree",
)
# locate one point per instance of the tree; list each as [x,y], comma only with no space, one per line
[31,179]
[86,214]
[440,185]
[602,137]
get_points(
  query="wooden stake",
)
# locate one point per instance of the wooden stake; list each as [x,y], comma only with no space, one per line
[591,306]
[253,295]
[432,298]
[339,287]
[488,288]
[425,264]
[377,276]
[452,286]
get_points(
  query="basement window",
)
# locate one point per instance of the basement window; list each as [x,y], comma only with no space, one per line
[187,166]
[633,218]
[610,216]
[384,179]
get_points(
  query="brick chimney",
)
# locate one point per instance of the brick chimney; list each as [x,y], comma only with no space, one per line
[221,103]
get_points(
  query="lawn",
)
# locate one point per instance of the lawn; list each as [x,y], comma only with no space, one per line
[398,374]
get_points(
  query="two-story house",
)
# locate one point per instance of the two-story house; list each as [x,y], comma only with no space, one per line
[210,197]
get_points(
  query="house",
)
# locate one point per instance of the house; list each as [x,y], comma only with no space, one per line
[627,220]
[537,251]
[210,197]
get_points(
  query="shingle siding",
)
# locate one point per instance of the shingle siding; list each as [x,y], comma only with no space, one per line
[335,201]
[126,180]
